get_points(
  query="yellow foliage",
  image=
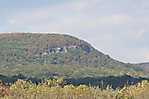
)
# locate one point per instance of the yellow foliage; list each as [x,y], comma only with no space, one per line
[54,89]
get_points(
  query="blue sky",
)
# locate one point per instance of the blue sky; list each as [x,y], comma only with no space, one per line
[116,27]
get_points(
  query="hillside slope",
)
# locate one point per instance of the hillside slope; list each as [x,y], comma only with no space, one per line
[25,49]
[20,51]
[143,66]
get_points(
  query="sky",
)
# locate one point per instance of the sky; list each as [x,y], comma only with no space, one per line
[119,28]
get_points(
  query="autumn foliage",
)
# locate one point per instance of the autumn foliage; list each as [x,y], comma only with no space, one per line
[57,89]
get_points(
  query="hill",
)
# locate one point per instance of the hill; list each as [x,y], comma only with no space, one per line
[46,55]
[143,66]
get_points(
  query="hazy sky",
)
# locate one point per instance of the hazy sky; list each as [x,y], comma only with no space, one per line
[119,28]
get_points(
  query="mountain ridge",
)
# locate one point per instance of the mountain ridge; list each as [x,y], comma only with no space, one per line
[54,49]
[56,41]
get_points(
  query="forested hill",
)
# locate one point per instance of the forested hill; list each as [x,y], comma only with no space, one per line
[25,48]
[22,52]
